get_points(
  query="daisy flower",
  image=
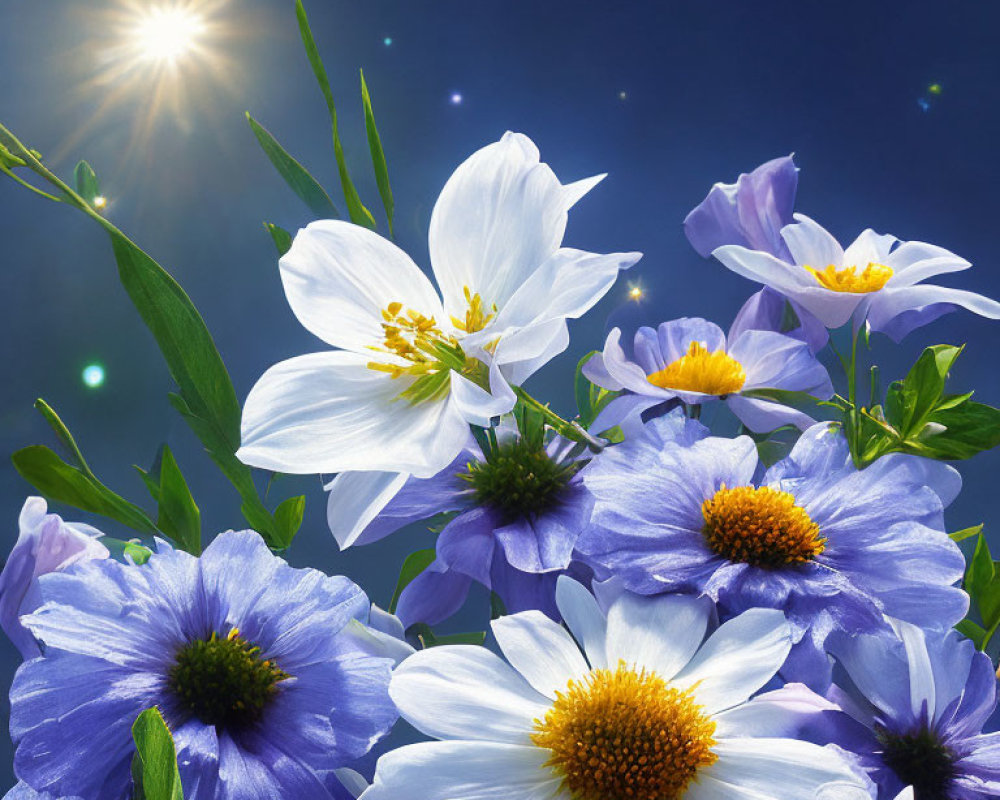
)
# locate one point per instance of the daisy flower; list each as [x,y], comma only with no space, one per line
[645,707]
[813,536]
[877,278]
[918,701]
[690,359]
[517,513]
[412,370]
[44,544]
[266,675]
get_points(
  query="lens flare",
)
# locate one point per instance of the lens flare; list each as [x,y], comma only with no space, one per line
[93,376]
[167,34]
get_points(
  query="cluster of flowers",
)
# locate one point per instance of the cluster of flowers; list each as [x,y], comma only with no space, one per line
[680,618]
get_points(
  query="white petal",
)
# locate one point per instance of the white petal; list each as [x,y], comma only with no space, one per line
[783,769]
[353,781]
[738,659]
[542,651]
[656,633]
[465,771]
[891,302]
[923,686]
[868,248]
[565,286]
[338,278]
[356,498]
[764,268]
[499,217]
[913,262]
[810,243]
[584,617]
[522,353]
[478,406]
[328,412]
[465,692]
[782,712]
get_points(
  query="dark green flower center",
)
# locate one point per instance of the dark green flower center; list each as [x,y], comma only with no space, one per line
[920,760]
[224,681]
[518,479]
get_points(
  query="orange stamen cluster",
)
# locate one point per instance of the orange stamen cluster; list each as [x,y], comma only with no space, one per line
[846,279]
[702,371]
[760,526]
[413,337]
[622,734]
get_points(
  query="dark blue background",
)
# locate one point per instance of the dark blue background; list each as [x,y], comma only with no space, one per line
[712,89]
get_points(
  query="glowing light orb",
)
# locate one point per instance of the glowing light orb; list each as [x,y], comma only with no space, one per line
[165,34]
[387,41]
[635,292]
[93,376]
[623,95]
[935,88]
[100,202]
[456,99]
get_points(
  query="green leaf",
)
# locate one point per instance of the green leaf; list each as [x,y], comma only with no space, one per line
[296,176]
[969,428]
[282,238]
[378,155]
[414,564]
[966,533]
[58,481]
[157,757]
[428,638]
[973,631]
[288,515]
[581,390]
[87,185]
[922,389]
[497,607]
[179,516]
[140,554]
[980,571]
[358,213]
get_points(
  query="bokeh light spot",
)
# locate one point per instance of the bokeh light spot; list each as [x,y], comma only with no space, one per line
[93,376]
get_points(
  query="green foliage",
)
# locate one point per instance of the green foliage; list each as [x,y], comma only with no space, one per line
[296,176]
[179,517]
[282,238]
[414,564]
[87,185]
[378,154]
[918,417]
[288,516]
[982,582]
[358,213]
[428,638]
[154,769]
[591,399]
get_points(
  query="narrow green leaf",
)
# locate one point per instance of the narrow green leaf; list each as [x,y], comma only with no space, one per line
[966,533]
[378,154]
[358,213]
[288,515]
[473,637]
[973,631]
[414,564]
[980,571]
[296,176]
[87,185]
[497,607]
[282,238]
[179,516]
[157,757]
[57,480]
[582,391]
[63,434]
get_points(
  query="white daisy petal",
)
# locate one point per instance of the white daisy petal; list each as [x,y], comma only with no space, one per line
[465,692]
[810,243]
[768,768]
[659,634]
[339,277]
[738,659]
[868,248]
[464,771]
[782,712]
[500,215]
[356,498]
[522,353]
[307,415]
[478,406]
[542,651]
[584,617]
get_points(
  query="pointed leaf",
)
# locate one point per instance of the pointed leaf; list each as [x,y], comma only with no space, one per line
[179,516]
[157,757]
[414,564]
[288,515]
[378,154]
[282,238]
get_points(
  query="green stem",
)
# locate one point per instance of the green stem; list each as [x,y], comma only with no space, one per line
[571,430]
[854,440]
[62,432]
[694,411]
[27,185]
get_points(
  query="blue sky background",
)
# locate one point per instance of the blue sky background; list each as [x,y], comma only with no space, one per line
[710,90]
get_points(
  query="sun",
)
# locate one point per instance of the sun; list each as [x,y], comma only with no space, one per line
[166,34]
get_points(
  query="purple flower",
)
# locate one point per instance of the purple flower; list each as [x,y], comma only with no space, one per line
[751,213]
[517,514]
[265,674]
[24,792]
[917,701]
[44,544]
[877,278]
[690,359]
[678,511]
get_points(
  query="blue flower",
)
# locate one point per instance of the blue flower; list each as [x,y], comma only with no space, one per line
[751,213]
[518,513]
[266,674]
[678,511]
[690,359]
[917,702]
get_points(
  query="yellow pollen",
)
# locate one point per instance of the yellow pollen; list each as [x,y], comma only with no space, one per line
[411,336]
[701,371]
[845,279]
[476,317]
[760,526]
[625,735]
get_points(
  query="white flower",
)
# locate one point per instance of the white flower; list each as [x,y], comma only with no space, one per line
[650,710]
[413,370]
[872,278]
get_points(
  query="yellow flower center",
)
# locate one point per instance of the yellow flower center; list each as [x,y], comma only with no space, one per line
[846,279]
[411,336]
[622,734]
[476,317]
[701,371]
[760,526]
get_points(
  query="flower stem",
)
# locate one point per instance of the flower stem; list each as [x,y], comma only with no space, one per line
[570,429]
